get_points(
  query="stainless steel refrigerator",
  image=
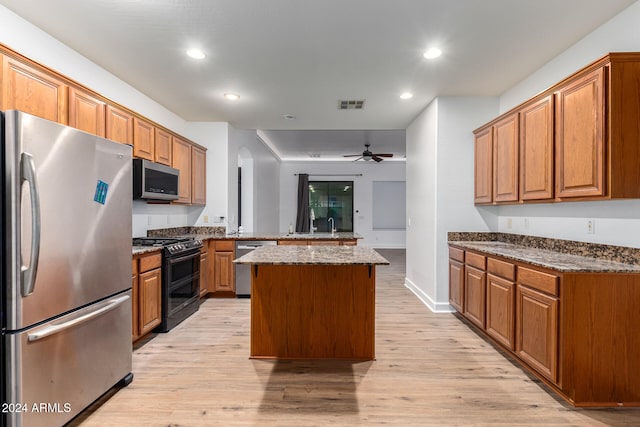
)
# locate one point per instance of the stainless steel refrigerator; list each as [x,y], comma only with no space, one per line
[66,269]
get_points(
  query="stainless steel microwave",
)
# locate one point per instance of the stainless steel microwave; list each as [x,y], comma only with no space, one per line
[153,181]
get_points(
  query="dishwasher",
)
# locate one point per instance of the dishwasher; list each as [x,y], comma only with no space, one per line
[243,271]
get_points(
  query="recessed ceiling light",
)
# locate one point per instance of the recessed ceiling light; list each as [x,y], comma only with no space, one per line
[232,96]
[195,53]
[406,95]
[288,117]
[432,52]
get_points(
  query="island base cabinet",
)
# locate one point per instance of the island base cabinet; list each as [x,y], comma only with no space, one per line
[313,312]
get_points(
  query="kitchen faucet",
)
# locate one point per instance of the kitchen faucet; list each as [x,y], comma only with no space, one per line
[333,227]
[312,216]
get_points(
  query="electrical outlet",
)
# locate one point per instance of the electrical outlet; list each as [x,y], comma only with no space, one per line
[509,223]
[206,219]
[591,226]
[527,223]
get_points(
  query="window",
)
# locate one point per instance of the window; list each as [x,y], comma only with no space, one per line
[332,199]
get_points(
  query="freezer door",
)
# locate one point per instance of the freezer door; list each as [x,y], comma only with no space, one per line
[68,197]
[57,369]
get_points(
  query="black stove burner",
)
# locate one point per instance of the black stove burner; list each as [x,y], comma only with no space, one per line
[171,245]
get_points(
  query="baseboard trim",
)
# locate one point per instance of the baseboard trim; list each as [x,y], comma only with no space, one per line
[436,307]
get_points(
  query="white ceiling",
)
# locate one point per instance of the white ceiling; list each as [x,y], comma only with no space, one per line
[300,57]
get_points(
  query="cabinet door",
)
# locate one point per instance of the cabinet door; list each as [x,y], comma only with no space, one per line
[580,137]
[143,139]
[456,285]
[135,323]
[537,331]
[198,176]
[204,275]
[86,112]
[28,88]
[150,303]
[483,163]
[163,147]
[505,159]
[475,295]
[536,150]
[501,310]
[181,152]
[119,125]
[224,272]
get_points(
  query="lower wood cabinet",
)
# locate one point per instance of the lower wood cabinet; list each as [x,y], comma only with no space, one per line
[537,331]
[500,310]
[475,295]
[576,331]
[146,284]
[222,272]
[319,242]
[204,271]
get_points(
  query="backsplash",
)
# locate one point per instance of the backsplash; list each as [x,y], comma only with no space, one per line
[593,250]
[190,230]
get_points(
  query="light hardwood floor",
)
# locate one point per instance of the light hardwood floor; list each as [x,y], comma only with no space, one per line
[431,370]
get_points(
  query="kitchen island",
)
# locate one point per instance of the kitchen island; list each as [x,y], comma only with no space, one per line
[313,302]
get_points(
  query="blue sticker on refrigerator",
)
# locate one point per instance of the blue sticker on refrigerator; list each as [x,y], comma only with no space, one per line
[101,192]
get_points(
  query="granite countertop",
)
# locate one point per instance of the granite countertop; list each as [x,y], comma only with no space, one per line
[271,236]
[553,260]
[138,250]
[313,255]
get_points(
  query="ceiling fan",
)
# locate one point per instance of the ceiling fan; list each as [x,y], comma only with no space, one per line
[368,155]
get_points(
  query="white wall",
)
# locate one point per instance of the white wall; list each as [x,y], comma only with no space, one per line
[440,190]
[37,45]
[265,180]
[616,222]
[362,196]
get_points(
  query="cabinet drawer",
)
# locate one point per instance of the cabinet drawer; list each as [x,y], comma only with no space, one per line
[538,280]
[457,254]
[150,262]
[475,260]
[224,245]
[500,268]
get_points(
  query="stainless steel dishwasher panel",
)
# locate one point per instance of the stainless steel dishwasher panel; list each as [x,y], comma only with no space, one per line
[243,271]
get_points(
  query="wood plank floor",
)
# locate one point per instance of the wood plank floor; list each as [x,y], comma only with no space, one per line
[431,370]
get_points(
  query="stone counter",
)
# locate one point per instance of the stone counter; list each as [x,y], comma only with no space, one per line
[219,233]
[139,250]
[313,255]
[552,259]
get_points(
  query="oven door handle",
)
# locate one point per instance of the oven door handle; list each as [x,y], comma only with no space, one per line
[183,257]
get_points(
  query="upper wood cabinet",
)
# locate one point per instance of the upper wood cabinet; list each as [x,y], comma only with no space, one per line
[163,147]
[483,160]
[505,159]
[119,125]
[29,88]
[580,136]
[536,150]
[143,139]
[578,140]
[86,112]
[181,160]
[198,176]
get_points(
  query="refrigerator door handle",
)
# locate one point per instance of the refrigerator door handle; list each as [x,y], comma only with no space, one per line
[54,328]
[28,274]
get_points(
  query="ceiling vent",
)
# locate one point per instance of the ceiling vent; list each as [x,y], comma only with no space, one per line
[314,155]
[351,104]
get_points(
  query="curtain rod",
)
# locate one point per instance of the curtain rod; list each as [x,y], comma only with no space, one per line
[331,174]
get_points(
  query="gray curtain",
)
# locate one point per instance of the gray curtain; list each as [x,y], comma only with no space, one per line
[302,219]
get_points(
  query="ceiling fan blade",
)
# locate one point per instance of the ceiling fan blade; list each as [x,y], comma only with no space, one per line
[383,154]
[358,159]
[351,155]
[376,158]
